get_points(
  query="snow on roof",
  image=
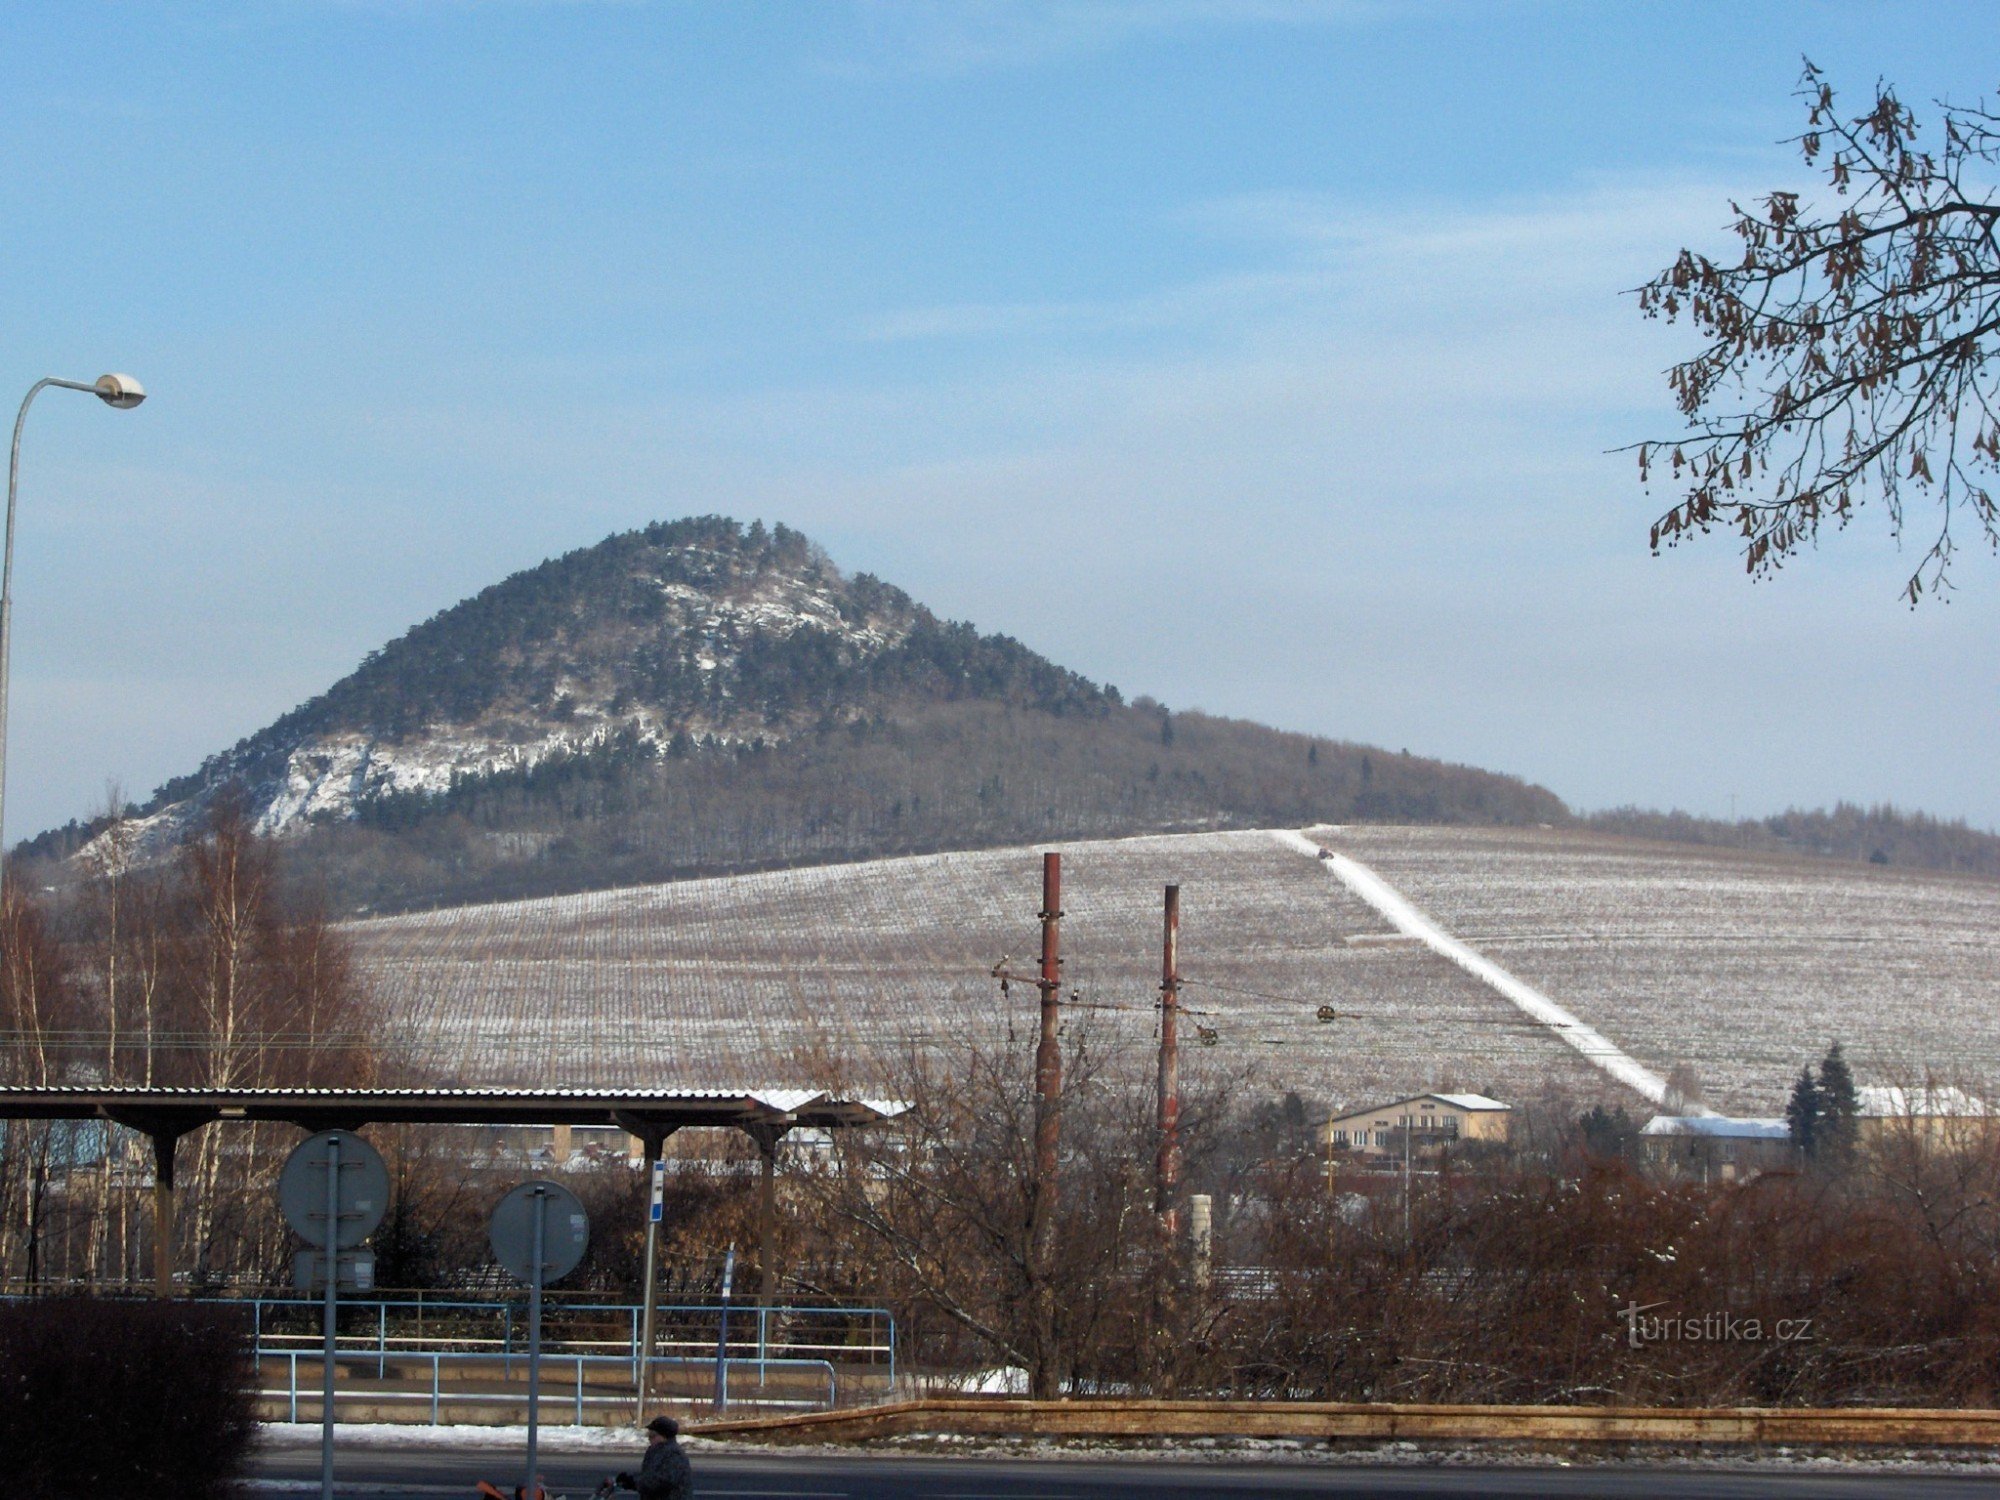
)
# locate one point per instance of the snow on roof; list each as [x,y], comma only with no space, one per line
[1719,1127]
[1469,1101]
[1933,1099]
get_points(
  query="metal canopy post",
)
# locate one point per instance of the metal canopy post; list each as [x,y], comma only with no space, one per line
[649,1298]
[163,1213]
[161,1123]
[767,1138]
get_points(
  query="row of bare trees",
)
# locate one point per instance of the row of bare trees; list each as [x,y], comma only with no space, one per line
[1550,1274]
[204,972]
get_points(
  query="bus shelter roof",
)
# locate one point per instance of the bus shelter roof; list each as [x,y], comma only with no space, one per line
[642,1112]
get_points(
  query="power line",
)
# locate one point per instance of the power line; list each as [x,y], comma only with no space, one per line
[1504,1023]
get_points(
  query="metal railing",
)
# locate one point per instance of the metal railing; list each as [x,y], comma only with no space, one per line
[437,1397]
[756,1335]
[460,1336]
[457,1347]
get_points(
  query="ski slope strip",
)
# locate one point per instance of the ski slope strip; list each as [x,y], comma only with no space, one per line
[1405,918]
[1740,967]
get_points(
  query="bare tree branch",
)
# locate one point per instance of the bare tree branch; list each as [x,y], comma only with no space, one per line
[1850,352]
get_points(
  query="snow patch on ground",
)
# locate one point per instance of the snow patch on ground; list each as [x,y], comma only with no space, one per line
[623,1442]
[1005,1380]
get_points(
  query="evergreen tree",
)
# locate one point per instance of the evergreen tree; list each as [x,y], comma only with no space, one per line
[1608,1133]
[1839,1106]
[1802,1113]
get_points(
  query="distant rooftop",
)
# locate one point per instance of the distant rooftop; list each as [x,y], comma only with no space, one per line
[1718,1127]
[1927,1102]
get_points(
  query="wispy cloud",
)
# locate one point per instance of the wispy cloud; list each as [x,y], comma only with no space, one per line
[1442,275]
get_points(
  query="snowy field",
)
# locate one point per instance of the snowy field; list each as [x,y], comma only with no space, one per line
[1741,968]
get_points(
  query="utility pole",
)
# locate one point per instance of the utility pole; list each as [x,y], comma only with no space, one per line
[1048,1120]
[1165,1320]
[1406,1180]
[1167,1169]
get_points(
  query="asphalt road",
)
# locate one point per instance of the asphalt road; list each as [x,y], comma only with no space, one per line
[391,1474]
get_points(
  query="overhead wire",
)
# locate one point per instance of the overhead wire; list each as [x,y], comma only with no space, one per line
[1504,1023]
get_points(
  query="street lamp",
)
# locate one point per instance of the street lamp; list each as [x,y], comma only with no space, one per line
[121,391]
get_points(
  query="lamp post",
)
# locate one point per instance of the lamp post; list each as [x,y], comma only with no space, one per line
[121,391]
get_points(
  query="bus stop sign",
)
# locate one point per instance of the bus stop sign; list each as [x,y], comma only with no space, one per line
[362,1194]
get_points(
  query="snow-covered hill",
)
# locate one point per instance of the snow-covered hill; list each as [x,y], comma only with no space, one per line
[701,633]
[1643,958]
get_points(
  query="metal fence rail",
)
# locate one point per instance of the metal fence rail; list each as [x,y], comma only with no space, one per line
[763,1335]
[461,1344]
[436,1396]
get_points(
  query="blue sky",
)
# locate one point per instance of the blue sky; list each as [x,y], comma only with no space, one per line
[1263,357]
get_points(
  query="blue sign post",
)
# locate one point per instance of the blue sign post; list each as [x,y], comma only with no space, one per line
[722,1336]
[643,1354]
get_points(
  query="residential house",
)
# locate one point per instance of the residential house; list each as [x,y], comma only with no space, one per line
[1421,1124]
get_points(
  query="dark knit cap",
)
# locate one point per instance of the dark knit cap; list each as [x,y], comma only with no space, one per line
[666,1427]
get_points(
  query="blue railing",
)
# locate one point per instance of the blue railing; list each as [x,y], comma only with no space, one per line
[463,1334]
[466,1332]
[438,1398]
[764,1335]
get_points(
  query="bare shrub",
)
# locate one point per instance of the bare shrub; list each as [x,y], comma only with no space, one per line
[125,1398]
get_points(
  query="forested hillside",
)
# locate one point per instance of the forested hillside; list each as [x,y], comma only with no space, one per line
[1879,835]
[912,777]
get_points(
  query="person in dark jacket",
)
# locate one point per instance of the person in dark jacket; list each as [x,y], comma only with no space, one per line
[666,1473]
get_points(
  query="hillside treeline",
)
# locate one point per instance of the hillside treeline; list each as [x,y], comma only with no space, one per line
[922,775]
[1541,1274]
[1880,835]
